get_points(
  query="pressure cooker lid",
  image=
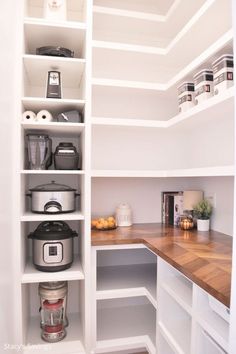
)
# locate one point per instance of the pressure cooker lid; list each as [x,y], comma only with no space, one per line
[53,186]
[52,230]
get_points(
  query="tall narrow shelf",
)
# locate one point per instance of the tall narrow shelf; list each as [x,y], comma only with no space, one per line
[73,34]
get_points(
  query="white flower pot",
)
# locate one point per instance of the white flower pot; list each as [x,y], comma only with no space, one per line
[203,225]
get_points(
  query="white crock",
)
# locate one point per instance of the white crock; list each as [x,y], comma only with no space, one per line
[203,225]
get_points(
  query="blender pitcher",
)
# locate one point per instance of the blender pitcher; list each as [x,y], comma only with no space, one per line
[39,151]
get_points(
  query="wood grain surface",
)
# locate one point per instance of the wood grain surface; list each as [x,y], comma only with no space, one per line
[204,257]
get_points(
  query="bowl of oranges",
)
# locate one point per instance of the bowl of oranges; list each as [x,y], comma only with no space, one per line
[103,224]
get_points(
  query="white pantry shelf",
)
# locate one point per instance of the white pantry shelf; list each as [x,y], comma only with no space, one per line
[55,127]
[52,172]
[29,216]
[128,84]
[180,293]
[73,342]
[121,324]
[127,281]
[37,67]
[130,343]
[128,13]
[213,107]
[191,172]
[52,104]
[69,35]
[170,340]
[32,275]
[156,57]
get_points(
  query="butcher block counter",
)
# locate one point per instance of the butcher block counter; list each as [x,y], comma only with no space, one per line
[204,257]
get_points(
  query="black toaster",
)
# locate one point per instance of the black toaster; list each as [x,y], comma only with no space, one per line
[66,157]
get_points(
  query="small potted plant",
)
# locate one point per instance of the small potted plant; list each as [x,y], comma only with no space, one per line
[202,211]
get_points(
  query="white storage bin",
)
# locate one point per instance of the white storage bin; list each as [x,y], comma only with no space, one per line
[203,82]
[186,96]
[223,68]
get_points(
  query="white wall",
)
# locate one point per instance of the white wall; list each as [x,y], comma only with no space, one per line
[144,197]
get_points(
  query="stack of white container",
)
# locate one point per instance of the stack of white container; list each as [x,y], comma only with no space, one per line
[207,83]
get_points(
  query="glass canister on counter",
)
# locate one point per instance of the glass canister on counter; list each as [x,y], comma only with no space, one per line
[186,96]
[203,82]
[223,68]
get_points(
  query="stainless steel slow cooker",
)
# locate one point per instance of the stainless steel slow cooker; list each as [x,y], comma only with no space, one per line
[52,198]
[52,246]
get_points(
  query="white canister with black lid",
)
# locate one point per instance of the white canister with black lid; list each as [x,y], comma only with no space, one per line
[223,68]
[186,96]
[203,82]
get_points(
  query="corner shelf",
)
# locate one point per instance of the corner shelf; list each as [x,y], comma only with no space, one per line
[191,172]
[127,281]
[32,275]
[212,106]
[124,326]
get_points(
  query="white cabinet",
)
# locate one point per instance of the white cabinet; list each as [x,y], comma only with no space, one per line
[186,320]
[127,316]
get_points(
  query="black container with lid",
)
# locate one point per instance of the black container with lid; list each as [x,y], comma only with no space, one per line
[66,157]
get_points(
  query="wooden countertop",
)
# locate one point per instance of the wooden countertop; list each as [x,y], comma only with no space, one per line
[204,257]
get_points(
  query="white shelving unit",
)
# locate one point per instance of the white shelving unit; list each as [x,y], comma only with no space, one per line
[74,33]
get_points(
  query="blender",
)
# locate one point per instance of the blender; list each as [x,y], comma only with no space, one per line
[39,151]
[53,300]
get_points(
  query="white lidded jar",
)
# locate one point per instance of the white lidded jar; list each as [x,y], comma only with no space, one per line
[123,215]
[223,70]
[203,82]
[186,96]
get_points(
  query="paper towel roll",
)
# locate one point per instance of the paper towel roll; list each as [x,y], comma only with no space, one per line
[44,116]
[29,116]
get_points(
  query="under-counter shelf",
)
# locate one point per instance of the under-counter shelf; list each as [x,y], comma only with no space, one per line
[175,284]
[122,321]
[174,320]
[211,321]
[127,281]
[32,275]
